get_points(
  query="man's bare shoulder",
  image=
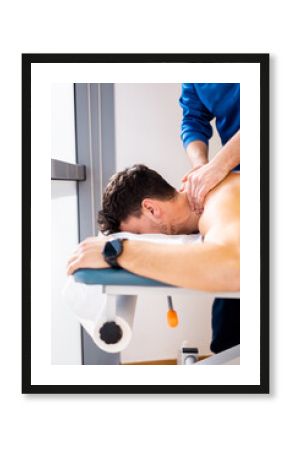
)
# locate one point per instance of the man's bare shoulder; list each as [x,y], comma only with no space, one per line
[222,208]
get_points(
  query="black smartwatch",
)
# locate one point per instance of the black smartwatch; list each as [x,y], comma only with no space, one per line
[111,251]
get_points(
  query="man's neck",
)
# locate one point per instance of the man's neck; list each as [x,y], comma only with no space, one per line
[187,220]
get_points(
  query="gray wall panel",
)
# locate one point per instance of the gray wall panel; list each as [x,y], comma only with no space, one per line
[95,149]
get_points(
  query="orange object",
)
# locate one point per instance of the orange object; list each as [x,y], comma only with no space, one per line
[172,318]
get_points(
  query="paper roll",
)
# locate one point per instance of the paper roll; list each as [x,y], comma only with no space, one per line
[108,319]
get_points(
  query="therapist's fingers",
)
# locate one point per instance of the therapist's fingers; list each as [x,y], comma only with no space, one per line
[194,169]
[201,199]
[191,199]
[190,189]
[196,191]
[182,187]
[196,200]
[185,177]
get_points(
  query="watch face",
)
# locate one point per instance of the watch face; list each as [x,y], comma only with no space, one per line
[110,250]
[113,248]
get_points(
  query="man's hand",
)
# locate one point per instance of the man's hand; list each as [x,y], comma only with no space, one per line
[88,255]
[204,175]
[198,182]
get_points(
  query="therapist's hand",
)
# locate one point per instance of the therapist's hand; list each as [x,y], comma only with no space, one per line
[88,255]
[199,181]
[204,175]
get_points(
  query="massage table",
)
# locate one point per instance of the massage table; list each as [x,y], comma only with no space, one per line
[122,289]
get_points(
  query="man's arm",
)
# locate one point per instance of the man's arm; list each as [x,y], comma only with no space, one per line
[202,266]
[229,155]
[197,152]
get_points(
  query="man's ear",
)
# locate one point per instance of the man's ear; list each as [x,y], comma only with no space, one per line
[151,209]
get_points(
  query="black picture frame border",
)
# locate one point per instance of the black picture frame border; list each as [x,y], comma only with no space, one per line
[263,59]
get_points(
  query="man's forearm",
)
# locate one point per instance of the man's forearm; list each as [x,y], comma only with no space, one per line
[197,152]
[200,266]
[229,155]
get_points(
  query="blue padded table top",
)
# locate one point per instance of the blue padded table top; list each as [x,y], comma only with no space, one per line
[113,277]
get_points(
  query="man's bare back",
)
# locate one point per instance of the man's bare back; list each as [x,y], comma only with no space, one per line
[220,221]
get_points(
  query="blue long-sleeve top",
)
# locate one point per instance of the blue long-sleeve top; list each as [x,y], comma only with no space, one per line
[201,102]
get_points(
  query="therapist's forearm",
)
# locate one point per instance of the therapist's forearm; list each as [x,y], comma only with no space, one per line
[229,155]
[200,266]
[197,152]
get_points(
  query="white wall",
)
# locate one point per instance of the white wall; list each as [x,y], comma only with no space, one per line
[66,344]
[148,120]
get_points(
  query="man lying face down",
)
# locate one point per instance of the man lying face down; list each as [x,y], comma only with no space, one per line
[139,200]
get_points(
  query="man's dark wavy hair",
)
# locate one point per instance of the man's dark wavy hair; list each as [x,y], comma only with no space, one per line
[125,192]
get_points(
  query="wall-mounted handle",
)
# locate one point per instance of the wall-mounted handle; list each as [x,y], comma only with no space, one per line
[61,170]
